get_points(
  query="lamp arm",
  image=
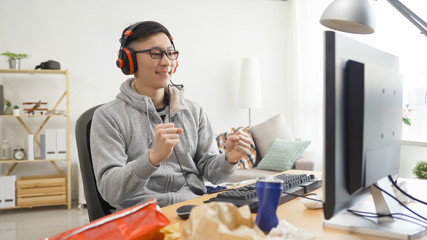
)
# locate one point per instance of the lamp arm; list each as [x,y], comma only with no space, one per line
[411,16]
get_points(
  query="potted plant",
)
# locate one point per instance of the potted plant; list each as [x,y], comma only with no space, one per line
[14,59]
[16,110]
[8,110]
[420,170]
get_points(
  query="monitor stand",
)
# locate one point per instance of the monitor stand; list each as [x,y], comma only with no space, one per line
[384,227]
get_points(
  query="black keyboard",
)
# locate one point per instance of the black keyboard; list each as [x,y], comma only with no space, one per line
[294,185]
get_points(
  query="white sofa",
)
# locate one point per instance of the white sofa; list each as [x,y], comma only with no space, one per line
[305,162]
[263,135]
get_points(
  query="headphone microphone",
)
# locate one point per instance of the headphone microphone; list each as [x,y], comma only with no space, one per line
[170,80]
[176,85]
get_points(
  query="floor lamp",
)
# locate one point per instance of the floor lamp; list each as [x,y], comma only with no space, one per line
[356,16]
[250,85]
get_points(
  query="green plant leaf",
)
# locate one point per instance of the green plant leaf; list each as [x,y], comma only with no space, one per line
[11,55]
[406,121]
[21,55]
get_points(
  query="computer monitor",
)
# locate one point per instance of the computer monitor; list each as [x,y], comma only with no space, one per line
[363,111]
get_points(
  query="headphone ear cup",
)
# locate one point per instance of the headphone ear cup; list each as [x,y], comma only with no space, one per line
[176,67]
[127,61]
[120,63]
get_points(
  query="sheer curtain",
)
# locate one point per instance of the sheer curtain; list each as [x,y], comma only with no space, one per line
[308,70]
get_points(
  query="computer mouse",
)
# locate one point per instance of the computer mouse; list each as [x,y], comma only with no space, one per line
[184,211]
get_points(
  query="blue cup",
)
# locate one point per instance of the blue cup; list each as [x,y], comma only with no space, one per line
[268,191]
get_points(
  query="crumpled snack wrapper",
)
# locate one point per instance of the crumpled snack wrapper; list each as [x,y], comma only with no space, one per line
[311,204]
[171,232]
[399,195]
[221,220]
[287,231]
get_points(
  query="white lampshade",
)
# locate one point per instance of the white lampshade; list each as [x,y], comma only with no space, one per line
[353,16]
[250,84]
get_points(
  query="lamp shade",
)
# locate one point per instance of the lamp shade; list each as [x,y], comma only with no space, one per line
[250,84]
[353,16]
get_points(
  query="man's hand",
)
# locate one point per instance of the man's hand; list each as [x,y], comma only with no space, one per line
[166,138]
[237,146]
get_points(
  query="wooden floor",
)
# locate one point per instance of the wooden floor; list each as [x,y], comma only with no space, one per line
[40,222]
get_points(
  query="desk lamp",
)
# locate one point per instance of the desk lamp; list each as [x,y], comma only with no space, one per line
[250,85]
[356,16]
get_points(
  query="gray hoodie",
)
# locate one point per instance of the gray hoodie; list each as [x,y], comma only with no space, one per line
[122,134]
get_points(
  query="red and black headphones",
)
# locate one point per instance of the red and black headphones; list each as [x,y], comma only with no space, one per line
[126,60]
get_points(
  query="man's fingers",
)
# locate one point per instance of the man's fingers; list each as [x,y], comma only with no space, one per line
[243,136]
[174,142]
[242,150]
[234,138]
[171,130]
[168,128]
[242,141]
[240,132]
[164,125]
[243,144]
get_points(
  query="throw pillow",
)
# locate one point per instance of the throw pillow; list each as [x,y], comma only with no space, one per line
[282,155]
[249,159]
[265,133]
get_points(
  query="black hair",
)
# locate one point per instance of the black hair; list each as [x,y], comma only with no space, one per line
[143,31]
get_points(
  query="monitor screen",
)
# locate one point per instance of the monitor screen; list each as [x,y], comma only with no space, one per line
[363,111]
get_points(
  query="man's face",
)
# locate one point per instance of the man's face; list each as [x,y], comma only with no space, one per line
[154,73]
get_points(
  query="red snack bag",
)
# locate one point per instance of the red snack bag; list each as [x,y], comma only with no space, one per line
[139,222]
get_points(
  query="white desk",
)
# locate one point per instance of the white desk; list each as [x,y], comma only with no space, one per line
[296,213]
[416,142]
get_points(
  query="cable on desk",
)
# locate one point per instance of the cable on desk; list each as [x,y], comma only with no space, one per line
[393,215]
[405,193]
[304,196]
[401,203]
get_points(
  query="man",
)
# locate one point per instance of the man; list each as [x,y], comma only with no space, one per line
[151,142]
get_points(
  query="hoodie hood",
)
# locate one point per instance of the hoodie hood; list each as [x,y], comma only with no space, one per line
[144,103]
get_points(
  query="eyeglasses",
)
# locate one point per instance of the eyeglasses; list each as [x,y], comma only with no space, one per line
[157,53]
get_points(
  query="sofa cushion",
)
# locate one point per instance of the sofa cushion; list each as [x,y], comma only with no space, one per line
[249,159]
[266,132]
[282,155]
[306,161]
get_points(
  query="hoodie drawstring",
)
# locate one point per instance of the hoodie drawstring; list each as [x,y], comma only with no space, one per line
[150,136]
[185,132]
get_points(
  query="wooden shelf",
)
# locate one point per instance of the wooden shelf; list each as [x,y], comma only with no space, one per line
[28,118]
[29,161]
[29,71]
[32,116]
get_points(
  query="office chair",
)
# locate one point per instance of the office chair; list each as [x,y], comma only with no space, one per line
[97,207]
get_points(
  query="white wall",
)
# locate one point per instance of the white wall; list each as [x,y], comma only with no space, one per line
[409,157]
[212,37]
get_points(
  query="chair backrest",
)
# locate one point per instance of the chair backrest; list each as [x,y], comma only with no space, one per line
[97,207]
